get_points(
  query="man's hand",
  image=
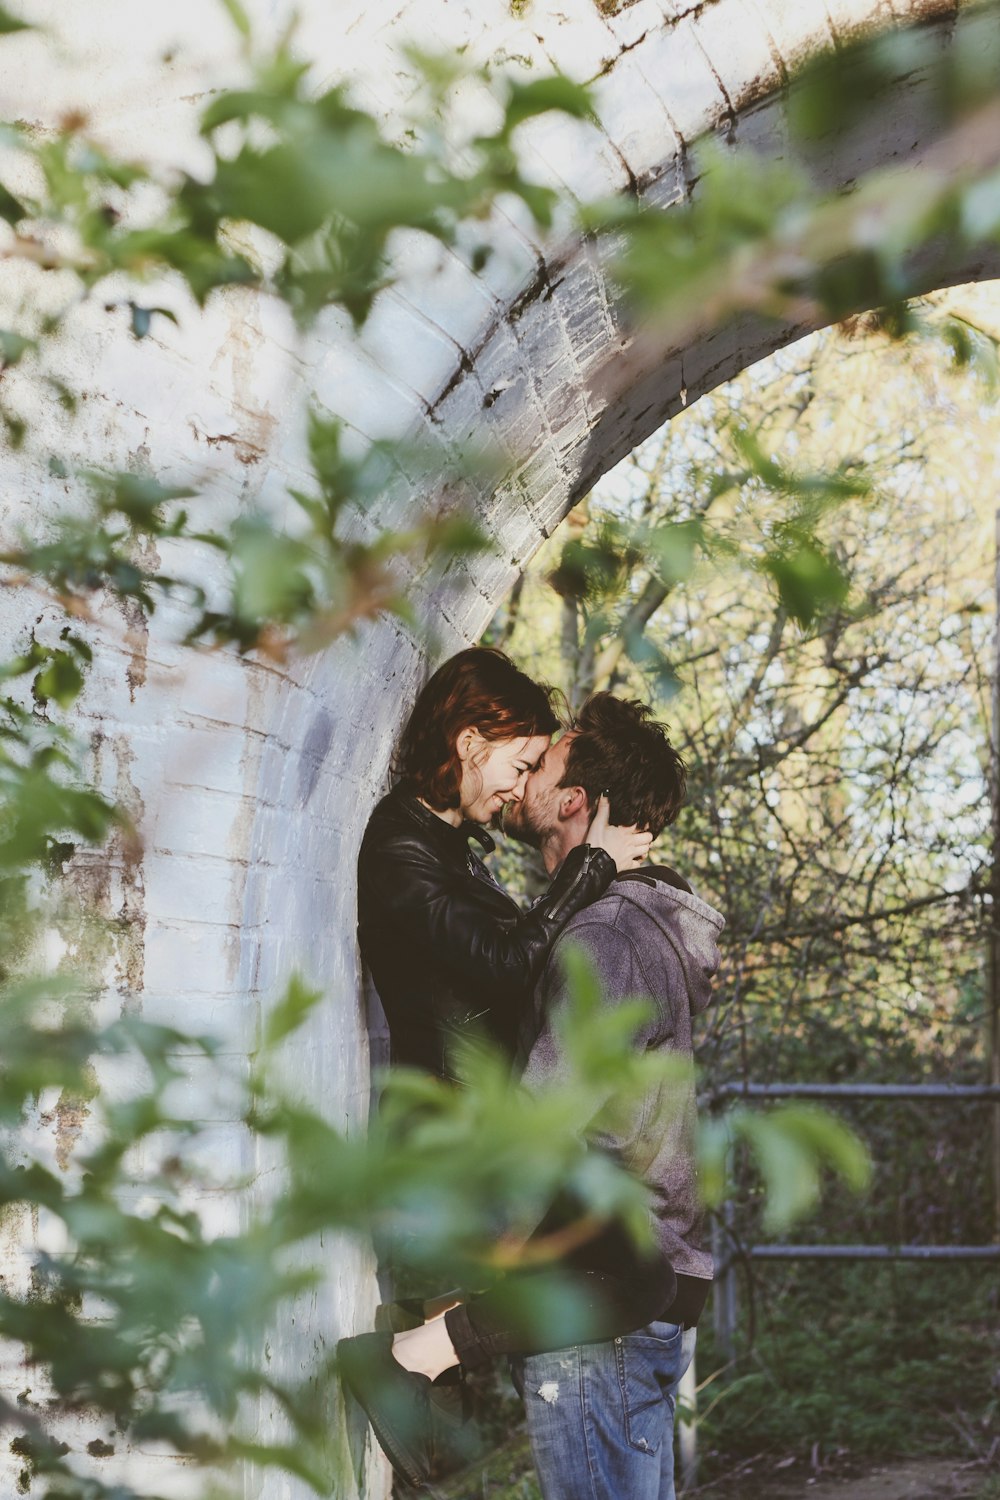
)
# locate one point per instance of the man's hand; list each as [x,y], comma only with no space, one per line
[628,847]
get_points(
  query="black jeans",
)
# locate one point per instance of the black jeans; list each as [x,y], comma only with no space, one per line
[604,1288]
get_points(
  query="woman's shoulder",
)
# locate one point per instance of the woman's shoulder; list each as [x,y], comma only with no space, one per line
[401,824]
[395,816]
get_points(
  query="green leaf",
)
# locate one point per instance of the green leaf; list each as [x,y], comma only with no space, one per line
[439,70]
[839,90]
[294,188]
[292,1010]
[61,680]
[291,1459]
[791,1145]
[540,201]
[76,643]
[655,664]
[137,496]
[543,94]
[142,317]
[810,581]
[980,208]
[16,428]
[748,445]
[10,23]
[972,349]
[14,345]
[459,536]
[246,105]
[715,1142]
[831,1142]
[239,17]
[674,548]
[582,981]
[11,208]
[273,579]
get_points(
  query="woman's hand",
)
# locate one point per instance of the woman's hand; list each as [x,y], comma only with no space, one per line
[628,847]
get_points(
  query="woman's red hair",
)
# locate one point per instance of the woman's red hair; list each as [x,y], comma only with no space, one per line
[479,688]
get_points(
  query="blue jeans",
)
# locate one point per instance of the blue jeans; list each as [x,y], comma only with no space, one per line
[601,1416]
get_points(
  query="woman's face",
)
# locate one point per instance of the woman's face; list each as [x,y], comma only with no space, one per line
[494,772]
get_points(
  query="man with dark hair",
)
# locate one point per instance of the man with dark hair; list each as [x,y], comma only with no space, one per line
[615,746]
[600,1415]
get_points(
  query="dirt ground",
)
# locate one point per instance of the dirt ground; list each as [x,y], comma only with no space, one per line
[919,1479]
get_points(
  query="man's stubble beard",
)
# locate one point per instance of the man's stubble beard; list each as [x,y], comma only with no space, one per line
[514,821]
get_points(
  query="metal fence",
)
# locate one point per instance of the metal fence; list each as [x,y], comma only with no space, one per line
[728,1254]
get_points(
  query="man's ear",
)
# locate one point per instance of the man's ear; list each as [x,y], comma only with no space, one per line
[572,801]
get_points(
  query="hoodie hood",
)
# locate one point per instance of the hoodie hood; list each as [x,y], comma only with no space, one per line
[689,925]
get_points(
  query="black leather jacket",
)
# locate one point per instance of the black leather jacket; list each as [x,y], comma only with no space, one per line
[450,952]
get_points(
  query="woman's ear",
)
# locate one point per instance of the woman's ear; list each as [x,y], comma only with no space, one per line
[466,743]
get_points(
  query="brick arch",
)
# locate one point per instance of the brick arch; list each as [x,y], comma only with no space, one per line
[534,356]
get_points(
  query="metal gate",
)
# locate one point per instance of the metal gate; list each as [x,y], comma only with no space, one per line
[728,1255]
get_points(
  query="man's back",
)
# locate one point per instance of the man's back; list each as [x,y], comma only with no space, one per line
[600,1415]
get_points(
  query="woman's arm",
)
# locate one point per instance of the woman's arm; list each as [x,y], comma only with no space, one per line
[628,846]
[441,910]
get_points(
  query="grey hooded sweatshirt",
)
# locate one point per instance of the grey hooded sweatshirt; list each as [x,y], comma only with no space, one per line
[647,938]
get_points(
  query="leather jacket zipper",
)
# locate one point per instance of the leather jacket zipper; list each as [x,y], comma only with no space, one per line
[560,903]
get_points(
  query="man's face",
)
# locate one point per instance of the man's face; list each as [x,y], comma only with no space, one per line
[537,813]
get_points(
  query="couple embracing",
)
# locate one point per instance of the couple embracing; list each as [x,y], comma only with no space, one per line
[452,955]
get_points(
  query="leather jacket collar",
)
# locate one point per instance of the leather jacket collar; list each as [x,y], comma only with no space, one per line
[454,839]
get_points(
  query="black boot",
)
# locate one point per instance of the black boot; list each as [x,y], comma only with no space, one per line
[396,1401]
[397,1317]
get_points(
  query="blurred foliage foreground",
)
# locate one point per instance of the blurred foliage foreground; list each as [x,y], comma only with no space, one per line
[143,1317]
[140,1311]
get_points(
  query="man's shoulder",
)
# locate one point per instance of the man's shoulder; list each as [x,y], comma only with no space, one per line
[644,911]
[615,908]
[617,942]
[608,927]
[608,910]
[654,896]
